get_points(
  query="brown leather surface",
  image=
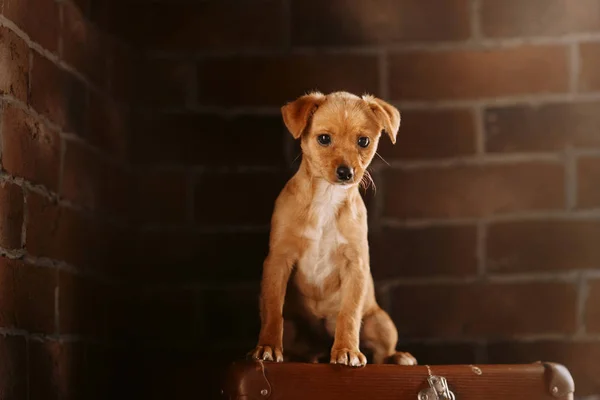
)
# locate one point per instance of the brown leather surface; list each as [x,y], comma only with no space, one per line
[295,381]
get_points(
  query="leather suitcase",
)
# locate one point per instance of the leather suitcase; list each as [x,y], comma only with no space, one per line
[259,380]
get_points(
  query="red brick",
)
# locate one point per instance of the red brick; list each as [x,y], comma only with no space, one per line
[41,26]
[217,204]
[408,252]
[473,74]
[201,139]
[589,66]
[166,83]
[83,45]
[484,309]
[26,296]
[210,26]
[511,18]
[13,369]
[549,127]
[588,176]
[90,181]
[31,149]
[474,191]
[234,81]
[432,134]
[82,306]
[181,256]
[161,197]
[56,370]
[581,358]
[11,215]
[364,22]
[14,65]
[57,95]
[592,307]
[62,234]
[552,245]
[107,126]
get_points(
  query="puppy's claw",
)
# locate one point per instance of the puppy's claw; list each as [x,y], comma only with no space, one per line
[266,353]
[402,358]
[350,357]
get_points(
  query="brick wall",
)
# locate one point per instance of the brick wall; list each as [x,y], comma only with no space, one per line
[484,225]
[63,199]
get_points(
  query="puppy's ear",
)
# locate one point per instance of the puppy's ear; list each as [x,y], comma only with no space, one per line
[297,113]
[387,115]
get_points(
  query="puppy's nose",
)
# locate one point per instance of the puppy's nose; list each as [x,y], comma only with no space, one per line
[344,173]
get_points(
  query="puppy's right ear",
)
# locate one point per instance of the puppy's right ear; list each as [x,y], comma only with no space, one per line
[297,113]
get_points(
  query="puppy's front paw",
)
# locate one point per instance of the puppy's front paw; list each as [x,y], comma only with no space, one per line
[348,356]
[267,353]
[402,358]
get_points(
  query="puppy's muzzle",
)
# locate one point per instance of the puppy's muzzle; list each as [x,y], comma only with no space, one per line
[344,173]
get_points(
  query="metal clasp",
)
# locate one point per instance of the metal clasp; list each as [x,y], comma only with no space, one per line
[438,389]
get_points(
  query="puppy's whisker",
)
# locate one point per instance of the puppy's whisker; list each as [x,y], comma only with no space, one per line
[296,159]
[382,159]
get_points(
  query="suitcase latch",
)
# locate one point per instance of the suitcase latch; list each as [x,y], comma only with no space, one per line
[438,389]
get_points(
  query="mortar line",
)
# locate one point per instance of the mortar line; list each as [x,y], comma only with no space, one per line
[574,67]
[570,179]
[582,296]
[475,20]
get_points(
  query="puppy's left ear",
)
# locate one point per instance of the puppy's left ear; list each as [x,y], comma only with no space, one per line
[297,113]
[387,115]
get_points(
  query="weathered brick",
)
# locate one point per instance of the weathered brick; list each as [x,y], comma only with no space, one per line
[364,22]
[216,205]
[588,176]
[13,369]
[484,309]
[473,74]
[432,134]
[160,197]
[83,45]
[474,191]
[14,65]
[41,26]
[581,358]
[543,245]
[31,149]
[275,80]
[166,83]
[26,296]
[201,139]
[180,256]
[408,252]
[592,307]
[90,181]
[511,18]
[57,95]
[193,26]
[82,306]
[56,370]
[11,215]
[589,79]
[549,127]
[62,233]
[107,126]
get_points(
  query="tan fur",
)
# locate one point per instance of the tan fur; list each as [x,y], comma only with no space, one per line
[319,236]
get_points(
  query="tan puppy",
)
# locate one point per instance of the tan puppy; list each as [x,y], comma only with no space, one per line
[319,233]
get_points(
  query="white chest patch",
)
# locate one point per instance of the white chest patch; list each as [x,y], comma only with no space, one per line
[323,236]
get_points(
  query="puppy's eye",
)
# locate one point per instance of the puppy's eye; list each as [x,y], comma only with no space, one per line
[324,140]
[363,141]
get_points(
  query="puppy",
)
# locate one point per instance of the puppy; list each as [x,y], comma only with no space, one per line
[318,241]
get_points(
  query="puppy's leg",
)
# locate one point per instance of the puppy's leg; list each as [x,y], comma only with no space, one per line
[347,326]
[381,336]
[276,273]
